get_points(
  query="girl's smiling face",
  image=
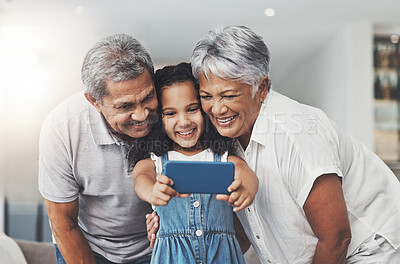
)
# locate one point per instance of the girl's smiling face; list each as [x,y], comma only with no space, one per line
[181,114]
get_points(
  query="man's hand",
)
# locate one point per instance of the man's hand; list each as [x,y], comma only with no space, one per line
[240,197]
[152,227]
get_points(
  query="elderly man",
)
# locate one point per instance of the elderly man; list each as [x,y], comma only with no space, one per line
[95,214]
[322,197]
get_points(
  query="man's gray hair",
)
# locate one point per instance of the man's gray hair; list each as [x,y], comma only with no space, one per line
[116,58]
[233,53]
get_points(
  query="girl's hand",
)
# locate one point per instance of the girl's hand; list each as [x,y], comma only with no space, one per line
[240,196]
[162,191]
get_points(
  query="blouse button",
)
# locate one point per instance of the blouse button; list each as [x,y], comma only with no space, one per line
[248,209]
[257,236]
[199,232]
[196,204]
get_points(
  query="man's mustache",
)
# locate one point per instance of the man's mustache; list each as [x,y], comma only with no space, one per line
[152,117]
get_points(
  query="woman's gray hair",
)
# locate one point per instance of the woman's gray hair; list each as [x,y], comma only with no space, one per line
[116,58]
[234,53]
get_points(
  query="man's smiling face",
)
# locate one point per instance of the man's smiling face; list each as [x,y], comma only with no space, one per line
[129,106]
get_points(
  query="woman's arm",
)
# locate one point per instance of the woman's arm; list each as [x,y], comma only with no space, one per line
[150,187]
[240,234]
[244,187]
[327,214]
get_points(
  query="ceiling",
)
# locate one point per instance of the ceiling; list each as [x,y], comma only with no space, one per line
[169,29]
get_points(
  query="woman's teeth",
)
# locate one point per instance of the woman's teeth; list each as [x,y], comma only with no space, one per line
[226,119]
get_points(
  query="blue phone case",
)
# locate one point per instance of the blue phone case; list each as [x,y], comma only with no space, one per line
[200,176]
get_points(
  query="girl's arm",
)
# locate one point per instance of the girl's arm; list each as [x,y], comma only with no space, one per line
[150,187]
[244,242]
[244,187]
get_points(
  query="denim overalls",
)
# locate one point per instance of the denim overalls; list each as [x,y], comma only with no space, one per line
[197,229]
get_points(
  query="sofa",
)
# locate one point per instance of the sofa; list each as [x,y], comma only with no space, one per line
[25,252]
[38,252]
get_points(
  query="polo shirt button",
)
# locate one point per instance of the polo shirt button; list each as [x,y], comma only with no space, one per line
[269,261]
[257,236]
[196,204]
[199,232]
[248,209]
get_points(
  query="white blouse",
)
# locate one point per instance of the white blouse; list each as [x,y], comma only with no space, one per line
[291,146]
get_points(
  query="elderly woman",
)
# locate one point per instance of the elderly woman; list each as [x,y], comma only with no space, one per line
[323,197]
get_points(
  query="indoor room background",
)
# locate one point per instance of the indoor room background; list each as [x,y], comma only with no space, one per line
[339,55]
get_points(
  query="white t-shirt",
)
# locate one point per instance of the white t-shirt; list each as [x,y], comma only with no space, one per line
[80,159]
[293,144]
[205,155]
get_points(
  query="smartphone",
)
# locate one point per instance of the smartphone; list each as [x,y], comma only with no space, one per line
[200,176]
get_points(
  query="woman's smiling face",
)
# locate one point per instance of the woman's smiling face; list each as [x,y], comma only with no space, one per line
[231,106]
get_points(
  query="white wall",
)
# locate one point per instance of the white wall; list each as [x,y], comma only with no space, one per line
[1,209]
[2,182]
[338,78]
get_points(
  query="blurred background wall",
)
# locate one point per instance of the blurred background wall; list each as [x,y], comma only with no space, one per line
[322,55]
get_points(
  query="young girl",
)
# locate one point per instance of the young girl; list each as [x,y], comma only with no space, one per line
[195,228]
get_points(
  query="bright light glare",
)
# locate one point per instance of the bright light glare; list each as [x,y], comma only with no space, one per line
[23,78]
[24,84]
[270,12]
[79,10]
[394,39]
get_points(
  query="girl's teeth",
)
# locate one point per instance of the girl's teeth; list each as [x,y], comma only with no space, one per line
[186,133]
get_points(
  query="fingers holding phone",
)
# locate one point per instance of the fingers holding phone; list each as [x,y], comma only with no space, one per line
[162,191]
[240,196]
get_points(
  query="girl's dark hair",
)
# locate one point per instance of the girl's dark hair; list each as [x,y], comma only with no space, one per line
[157,140]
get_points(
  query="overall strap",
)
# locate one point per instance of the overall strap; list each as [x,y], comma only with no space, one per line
[217,157]
[164,158]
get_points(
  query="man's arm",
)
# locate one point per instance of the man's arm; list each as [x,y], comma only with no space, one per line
[70,240]
[326,212]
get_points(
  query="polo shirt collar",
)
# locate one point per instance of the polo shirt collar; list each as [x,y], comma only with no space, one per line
[261,126]
[101,134]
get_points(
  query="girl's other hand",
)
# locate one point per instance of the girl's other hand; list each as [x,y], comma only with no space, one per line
[240,197]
